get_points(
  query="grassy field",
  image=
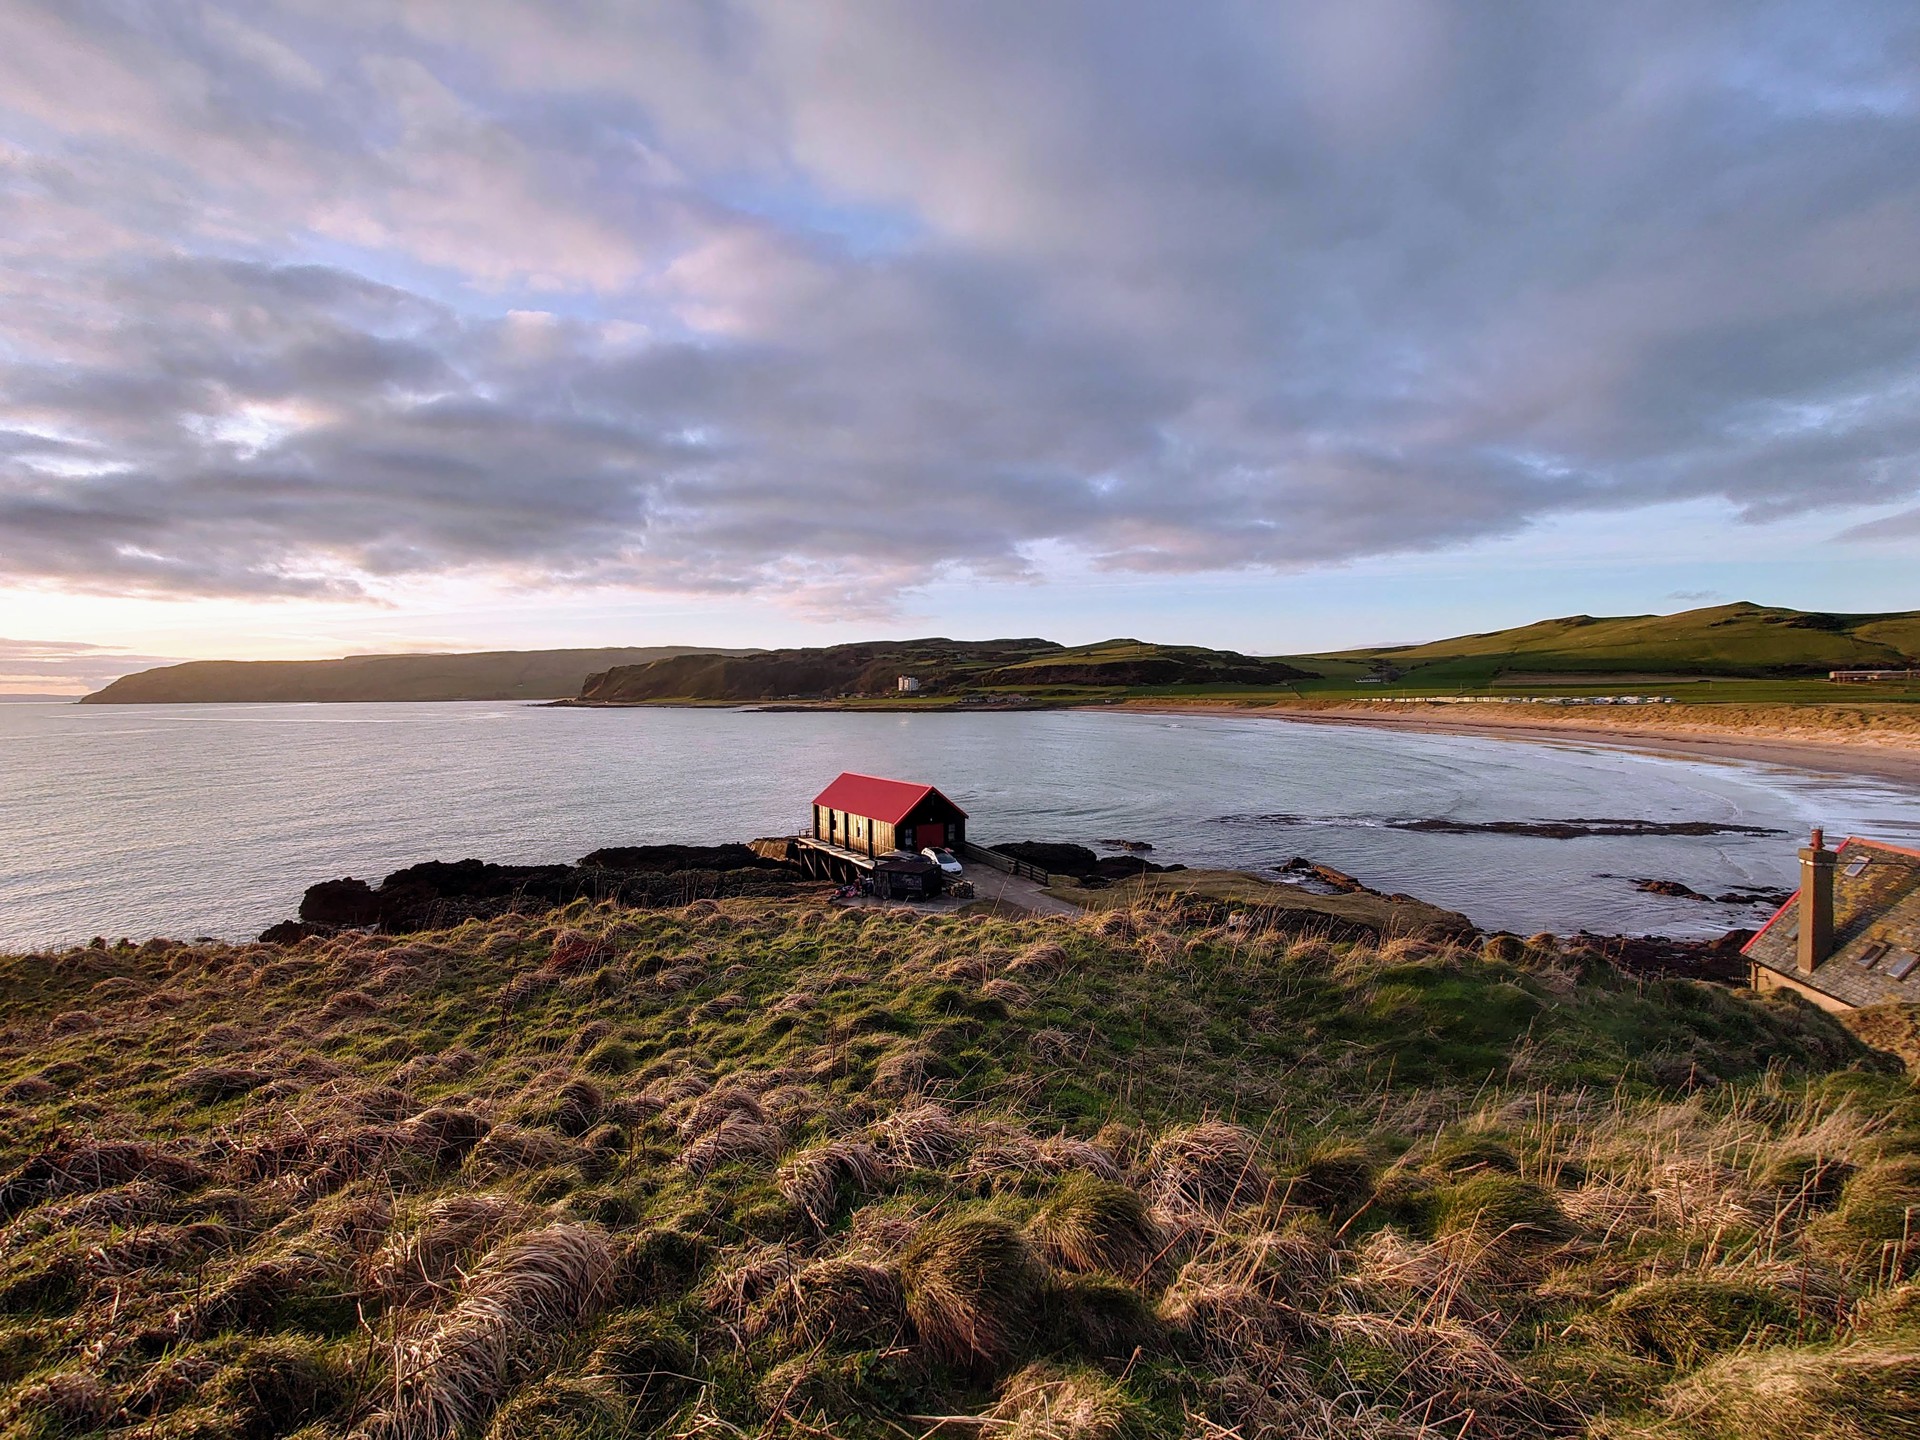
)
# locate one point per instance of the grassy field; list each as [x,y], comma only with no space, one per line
[1723,640]
[771,1169]
[1390,916]
[1728,655]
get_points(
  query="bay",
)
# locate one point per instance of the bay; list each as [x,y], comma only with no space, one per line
[212,819]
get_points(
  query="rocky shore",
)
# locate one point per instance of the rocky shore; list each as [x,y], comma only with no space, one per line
[439,894]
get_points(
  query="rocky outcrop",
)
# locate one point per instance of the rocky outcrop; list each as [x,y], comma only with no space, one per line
[441,893]
[1578,829]
[1743,895]
[1080,862]
[665,859]
[1336,880]
[1657,955]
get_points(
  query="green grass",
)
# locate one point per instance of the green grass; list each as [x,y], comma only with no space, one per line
[1724,640]
[767,1168]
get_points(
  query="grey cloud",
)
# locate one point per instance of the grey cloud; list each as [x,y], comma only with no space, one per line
[907,290]
[55,667]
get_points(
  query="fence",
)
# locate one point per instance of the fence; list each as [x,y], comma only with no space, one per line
[1006,863]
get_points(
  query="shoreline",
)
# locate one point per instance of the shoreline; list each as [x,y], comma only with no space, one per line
[1826,756]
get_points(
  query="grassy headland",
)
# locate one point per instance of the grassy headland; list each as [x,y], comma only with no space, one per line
[495,675]
[1723,641]
[769,1168]
[947,671]
[1728,654]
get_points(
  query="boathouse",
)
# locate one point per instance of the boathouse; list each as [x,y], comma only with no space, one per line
[1850,936]
[870,816]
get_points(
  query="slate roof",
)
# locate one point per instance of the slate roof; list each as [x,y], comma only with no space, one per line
[876,798]
[1876,928]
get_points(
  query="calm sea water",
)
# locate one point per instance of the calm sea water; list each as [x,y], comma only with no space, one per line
[212,819]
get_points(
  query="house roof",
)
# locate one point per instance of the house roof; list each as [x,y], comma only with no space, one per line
[1876,928]
[877,798]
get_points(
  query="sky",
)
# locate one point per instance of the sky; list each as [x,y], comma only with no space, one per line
[344,326]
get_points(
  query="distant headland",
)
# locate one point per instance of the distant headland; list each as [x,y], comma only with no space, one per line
[489,675]
[1739,653]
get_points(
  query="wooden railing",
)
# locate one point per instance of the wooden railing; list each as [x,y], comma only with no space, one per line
[1008,864]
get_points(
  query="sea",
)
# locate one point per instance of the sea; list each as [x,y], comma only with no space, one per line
[210,820]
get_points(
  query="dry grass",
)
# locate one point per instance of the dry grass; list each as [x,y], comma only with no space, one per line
[426,1260]
[837,1301]
[1848,1392]
[814,1178]
[526,1293]
[1183,1176]
[1089,1224]
[1211,1166]
[971,1285]
[1046,1403]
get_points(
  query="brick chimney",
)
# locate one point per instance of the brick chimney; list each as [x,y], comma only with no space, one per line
[1816,903]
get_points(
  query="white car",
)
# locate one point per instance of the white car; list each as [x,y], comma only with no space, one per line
[944,859]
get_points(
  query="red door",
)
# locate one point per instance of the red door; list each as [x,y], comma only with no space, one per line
[933,835]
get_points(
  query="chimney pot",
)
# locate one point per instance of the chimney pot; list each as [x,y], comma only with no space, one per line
[1819,838]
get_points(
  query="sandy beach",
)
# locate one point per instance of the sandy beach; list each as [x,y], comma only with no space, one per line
[1841,742]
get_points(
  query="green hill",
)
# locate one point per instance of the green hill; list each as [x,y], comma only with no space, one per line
[944,668]
[1724,640]
[1132,663]
[490,675]
[774,1169]
[1727,641]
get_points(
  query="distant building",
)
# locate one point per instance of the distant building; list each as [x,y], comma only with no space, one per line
[1867,677]
[907,684]
[1850,936]
[870,816]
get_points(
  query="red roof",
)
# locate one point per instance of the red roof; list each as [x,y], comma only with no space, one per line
[877,799]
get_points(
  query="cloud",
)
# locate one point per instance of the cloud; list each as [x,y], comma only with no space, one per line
[833,301]
[1899,527]
[59,667]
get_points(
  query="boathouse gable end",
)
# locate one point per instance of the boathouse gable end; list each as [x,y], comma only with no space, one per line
[871,815]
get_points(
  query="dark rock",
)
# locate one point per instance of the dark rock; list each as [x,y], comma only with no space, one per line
[1742,895]
[1337,880]
[664,859]
[440,893]
[1577,829]
[1139,846]
[1125,867]
[1054,859]
[342,903]
[1080,862]
[1670,887]
[290,932]
[1658,955]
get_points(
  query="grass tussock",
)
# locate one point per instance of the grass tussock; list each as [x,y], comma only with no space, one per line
[769,1168]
